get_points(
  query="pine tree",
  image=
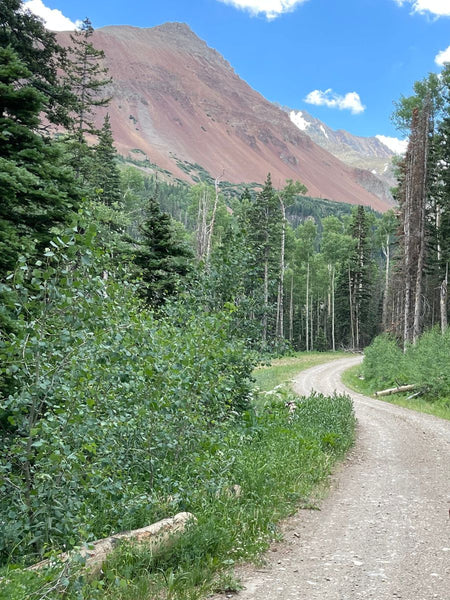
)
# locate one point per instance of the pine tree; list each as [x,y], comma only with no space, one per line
[44,58]
[162,256]
[419,285]
[87,79]
[265,232]
[359,280]
[37,191]
[105,176]
[442,193]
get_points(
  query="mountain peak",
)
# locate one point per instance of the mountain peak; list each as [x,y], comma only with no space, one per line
[180,104]
[176,28]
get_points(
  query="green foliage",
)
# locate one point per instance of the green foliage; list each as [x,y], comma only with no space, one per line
[104,401]
[162,256]
[36,47]
[354,379]
[38,191]
[431,88]
[384,362]
[425,364]
[104,176]
[428,363]
[87,78]
[317,208]
[277,460]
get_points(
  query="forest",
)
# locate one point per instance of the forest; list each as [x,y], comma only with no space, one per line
[134,310]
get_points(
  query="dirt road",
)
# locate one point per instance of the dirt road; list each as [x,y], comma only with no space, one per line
[384,530]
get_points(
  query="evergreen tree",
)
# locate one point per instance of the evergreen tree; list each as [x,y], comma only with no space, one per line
[162,256]
[44,58]
[105,177]
[360,280]
[87,79]
[37,191]
[441,191]
[264,219]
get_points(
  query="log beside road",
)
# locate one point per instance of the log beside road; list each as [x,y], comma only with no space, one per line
[396,390]
[155,535]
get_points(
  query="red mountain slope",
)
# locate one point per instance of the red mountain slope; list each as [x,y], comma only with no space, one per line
[174,97]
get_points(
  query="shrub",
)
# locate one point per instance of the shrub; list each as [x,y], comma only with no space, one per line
[384,362]
[428,363]
[425,364]
[104,402]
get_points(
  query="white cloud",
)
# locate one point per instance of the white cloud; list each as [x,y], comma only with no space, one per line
[351,101]
[397,146]
[270,8]
[439,8]
[53,18]
[443,57]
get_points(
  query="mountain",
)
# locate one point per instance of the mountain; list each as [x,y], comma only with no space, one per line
[367,153]
[180,103]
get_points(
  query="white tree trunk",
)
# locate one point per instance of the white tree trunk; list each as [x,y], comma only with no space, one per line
[307,307]
[333,334]
[291,310]
[280,299]
[443,301]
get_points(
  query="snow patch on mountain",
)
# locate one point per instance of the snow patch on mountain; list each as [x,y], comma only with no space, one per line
[322,129]
[298,120]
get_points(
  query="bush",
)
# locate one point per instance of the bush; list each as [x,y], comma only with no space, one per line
[428,363]
[105,402]
[277,460]
[425,364]
[384,362]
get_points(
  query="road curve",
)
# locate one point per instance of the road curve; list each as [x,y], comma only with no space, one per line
[383,532]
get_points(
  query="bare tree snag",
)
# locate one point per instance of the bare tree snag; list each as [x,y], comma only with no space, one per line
[414,201]
[210,228]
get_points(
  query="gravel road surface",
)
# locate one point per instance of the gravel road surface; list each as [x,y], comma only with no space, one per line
[383,532]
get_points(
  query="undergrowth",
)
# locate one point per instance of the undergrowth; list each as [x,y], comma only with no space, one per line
[385,365]
[276,458]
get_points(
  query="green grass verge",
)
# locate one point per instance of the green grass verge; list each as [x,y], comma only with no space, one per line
[280,462]
[282,370]
[438,408]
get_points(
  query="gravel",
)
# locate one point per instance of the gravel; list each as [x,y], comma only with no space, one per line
[383,532]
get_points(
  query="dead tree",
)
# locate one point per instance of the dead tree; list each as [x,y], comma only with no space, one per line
[413,214]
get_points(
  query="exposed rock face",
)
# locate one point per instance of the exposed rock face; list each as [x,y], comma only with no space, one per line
[176,98]
[365,153]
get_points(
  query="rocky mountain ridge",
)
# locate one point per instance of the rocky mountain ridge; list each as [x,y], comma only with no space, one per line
[367,153]
[177,101]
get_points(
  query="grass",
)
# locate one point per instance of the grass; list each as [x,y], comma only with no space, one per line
[282,370]
[439,408]
[281,463]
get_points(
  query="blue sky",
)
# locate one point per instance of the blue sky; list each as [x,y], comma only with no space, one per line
[351,58]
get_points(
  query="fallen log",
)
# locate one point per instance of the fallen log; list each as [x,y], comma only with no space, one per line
[156,535]
[396,390]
